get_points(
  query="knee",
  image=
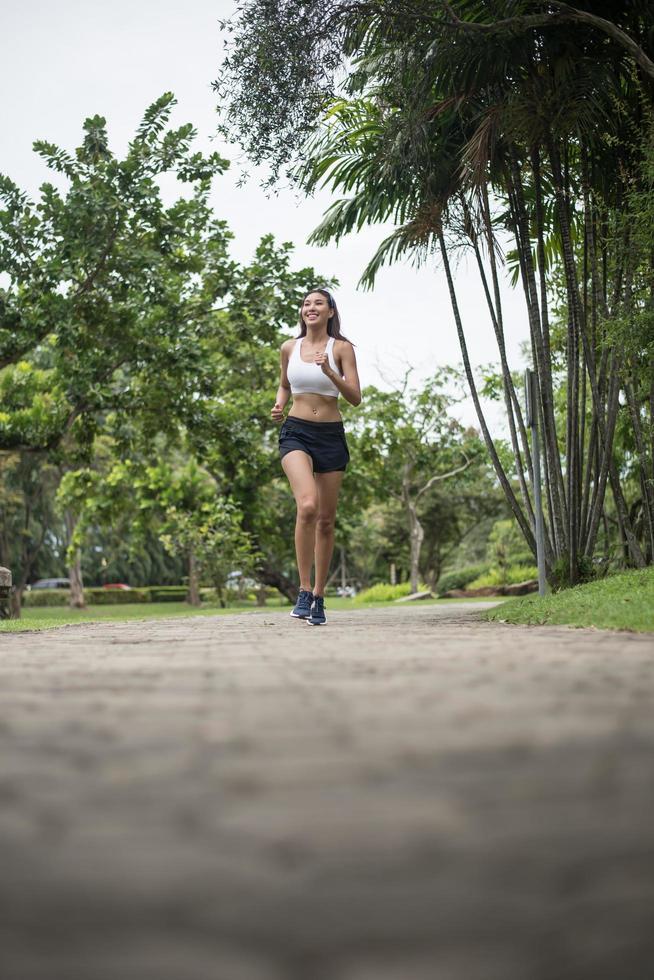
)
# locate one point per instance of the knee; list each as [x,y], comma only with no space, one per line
[326,523]
[307,510]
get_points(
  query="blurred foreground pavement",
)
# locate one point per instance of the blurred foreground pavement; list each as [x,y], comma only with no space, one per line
[405,794]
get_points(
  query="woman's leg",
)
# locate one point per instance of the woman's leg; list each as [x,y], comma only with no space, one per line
[328,485]
[299,470]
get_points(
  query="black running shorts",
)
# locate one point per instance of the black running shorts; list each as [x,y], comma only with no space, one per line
[323,441]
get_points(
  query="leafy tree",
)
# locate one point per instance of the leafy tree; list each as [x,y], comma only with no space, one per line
[456,518]
[505,547]
[406,443]
[196,523]
[108,289]
[126,320]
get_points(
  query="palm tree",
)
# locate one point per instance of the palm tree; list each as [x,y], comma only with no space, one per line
[514,124]
[534,135]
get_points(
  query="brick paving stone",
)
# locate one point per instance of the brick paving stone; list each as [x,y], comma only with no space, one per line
[406,794]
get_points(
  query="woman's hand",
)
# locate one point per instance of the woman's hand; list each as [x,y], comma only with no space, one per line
[277,412]
[322,361]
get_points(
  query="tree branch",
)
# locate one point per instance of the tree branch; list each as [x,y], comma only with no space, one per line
[444,476]
[91,277]
[566,14]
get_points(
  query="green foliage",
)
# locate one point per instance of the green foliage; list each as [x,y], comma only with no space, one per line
[128,335]
[292,43]
[29,524]
[412,461]
[505,549]
[507,562]
[198,523]
[460,577]
[46,597]
[383,593]
[480,126]
[114,597]
[32,400]
[508,575]
[111,290]
[560,578]
[93,597]
[168,593]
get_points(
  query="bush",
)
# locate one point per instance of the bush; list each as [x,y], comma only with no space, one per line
[269,592]
[46,597]
[168,593]
[115,597]
[508,576]
[523,558]
[461,577]
[92,597]
[382,592]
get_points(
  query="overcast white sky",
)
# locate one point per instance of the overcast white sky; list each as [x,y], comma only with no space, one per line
[61,62]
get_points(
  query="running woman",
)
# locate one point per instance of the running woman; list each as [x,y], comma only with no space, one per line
[316,367]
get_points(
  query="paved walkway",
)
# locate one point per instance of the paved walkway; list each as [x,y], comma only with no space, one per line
[407,794]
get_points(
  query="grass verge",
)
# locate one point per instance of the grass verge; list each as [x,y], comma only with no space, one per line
[49,617]
[618,602]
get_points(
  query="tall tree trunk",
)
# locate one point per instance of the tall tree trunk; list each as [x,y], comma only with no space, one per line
[542,368]
[633,547]
[26,563]
[76,600]
[416,532]
[270,574]
[601,475]
[16,598]
[510,398]
[76,582]
[554,472]
[647,487]
[499,469]
[417,535]
[193,597]
[575,301]
[575,330]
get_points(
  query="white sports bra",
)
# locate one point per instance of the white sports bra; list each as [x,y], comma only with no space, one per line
[306,378]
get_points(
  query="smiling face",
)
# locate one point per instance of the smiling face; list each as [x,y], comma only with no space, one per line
[316,311]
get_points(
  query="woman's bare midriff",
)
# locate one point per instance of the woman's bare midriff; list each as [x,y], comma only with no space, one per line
[315,408]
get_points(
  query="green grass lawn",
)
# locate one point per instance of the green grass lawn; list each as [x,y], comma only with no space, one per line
[47,617]
[619,602]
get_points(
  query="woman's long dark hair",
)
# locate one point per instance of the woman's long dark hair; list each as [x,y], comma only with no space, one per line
[334,322]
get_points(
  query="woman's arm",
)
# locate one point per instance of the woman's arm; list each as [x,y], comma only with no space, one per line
[284,390]
[348,385]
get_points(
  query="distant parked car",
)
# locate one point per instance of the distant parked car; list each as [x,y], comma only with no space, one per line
[116,585]
[51,583]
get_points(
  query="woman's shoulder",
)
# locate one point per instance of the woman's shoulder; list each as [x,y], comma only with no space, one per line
[341,344]
[288,345]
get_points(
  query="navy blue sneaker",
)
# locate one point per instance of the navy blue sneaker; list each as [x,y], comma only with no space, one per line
[302,607]
[317,617]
